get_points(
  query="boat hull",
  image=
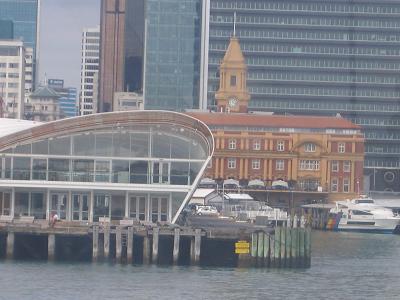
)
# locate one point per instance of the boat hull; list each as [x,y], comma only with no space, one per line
[379,226]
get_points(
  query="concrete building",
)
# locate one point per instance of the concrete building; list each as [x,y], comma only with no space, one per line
[12,79]
[321,58]
[67,97]
[44,105]
[24,16]
[89,70]
[128,101]
[142,166]
[155,48]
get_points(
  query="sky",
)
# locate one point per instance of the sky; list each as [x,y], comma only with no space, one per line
[61,24]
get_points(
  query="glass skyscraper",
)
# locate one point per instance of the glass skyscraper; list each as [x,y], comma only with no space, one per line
[173,54]
[24,16]
[324,58]
[160,42]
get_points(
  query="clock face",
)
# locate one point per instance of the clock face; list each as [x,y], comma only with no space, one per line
[232,102]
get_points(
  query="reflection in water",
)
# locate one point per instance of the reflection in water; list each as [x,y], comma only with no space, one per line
[344,266]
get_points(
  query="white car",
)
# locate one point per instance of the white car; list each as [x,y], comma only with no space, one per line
[206,210]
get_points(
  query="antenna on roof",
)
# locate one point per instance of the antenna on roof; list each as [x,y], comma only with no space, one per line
[234,24]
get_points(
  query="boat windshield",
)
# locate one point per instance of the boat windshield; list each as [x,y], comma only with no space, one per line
[364,201]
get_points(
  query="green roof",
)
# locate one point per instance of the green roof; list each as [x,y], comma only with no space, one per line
[45,92]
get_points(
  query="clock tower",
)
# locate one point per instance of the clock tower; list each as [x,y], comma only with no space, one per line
[232,95]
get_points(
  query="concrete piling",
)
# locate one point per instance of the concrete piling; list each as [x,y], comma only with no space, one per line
[51,247]
[197,246]
[118,244]
[146,250]
[106,242]
[156,232]
[175,253]
[129,246]
[95,245]
[10,245]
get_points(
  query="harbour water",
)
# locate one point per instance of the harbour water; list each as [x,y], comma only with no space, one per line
[344,266]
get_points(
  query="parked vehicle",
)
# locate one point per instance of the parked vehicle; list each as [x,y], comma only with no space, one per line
[206,210]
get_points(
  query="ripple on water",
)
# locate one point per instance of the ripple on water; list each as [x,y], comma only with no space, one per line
[344,266]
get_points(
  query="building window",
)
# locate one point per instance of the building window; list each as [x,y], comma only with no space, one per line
[310,147]
[310,165]
[232,144]
[280,165]
[334,185]
[346,185]
[231,163]
[257,145]
[346,166]
[341,147]
[255,164]
[335,166]
[280,146]
[233,80]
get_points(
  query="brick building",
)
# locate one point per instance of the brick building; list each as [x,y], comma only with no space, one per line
[320,157]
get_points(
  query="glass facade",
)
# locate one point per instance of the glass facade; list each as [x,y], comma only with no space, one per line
[173,54]
[117,171]
[323,58]
[23,14]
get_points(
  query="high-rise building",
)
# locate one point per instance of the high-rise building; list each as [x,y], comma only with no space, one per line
[6,30]
[67,97]
[12,79]
[324,58]
[89,70]
[173,54]
[24,15]
[154,48]
[112,51]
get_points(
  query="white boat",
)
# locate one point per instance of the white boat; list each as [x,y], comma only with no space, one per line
[363,214]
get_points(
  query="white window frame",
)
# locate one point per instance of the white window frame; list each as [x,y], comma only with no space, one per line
[310,147]
[347,166]
[341,147]
[280,145]
[335,166]
[346,185]
[309,165]
[232,144]
[256,164]
[334,185]
[257,144]
[279,165]
[231,163]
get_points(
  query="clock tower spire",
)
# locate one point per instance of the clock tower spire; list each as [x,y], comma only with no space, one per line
[232,95]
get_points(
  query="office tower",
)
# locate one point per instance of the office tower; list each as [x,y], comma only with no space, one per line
[112,51]
[24,15]
[67,97]
[12,81]
[89,70]
[159,58]
[6,30]
[173,54]
[321,58]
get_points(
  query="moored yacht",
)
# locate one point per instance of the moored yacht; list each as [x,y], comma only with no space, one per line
[362,214]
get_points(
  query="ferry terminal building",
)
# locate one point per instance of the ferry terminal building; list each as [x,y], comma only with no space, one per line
[322,157]
[141,165]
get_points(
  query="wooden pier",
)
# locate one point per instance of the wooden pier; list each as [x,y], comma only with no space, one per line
[259,246]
